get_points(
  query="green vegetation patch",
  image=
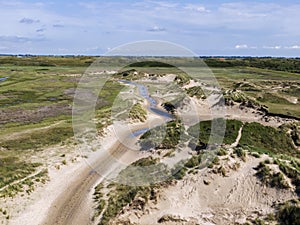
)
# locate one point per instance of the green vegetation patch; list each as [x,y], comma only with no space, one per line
[108,94]
[121,195]
[271,139]
[202,132]
[292,173]
[12,169]
[279,64]
[13,97]
[150,64]
[44,61]
[272,98]
[268,177]
[17,176]
[39,139]
[289,213]
[119,198]
[196,91]
[162,137]
[137,112]
[182,78]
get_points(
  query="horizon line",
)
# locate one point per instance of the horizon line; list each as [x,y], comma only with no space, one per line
[102,55]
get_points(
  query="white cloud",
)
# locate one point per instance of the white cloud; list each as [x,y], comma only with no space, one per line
[246,10]
[273,47]
[241,46]
[198,8]
[157,29]
[164,4]
[207,25]
[293,47]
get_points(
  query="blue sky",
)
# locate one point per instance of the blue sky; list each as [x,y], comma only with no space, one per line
[257,28]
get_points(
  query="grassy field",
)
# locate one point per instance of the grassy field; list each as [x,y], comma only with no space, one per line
[36,98]
[278,90]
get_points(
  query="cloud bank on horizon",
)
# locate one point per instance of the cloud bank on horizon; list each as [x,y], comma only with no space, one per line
[257,28]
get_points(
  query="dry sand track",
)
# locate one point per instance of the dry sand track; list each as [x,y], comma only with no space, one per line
[74,205]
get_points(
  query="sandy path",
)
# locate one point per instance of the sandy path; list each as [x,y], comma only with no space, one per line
[237,141]
[23,179]
[73,205]
[29,131]
[67,198]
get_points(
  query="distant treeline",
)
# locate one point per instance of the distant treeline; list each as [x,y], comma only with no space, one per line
[280,64]
[47,61]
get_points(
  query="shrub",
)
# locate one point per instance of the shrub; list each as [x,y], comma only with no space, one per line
[240,153]
[270,178]
[138,113]
[222,152]
[289,214]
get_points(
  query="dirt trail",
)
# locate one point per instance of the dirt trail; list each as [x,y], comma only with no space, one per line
[23,179]
[237,141]
[73,206]
[28,131]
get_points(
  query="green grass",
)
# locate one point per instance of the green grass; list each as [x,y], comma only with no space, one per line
[267,138]
[240,153]
[142,172]
[194,161]
[138,113]
[12,169]
[268,177]
[289,213]
[44,61]
[292,173]
[196,91]
[225,131]
[271,98]
[162,137]
[39,139]
[278,64]
[120,194]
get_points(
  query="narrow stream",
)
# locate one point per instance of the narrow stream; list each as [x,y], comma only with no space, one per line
[152,105]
